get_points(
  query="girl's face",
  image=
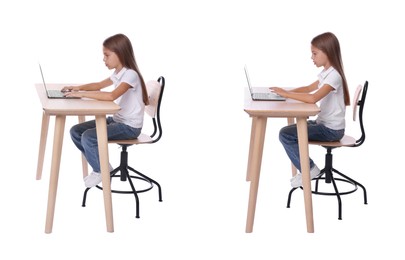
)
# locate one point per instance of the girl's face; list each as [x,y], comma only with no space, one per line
[111,59]
[319,58]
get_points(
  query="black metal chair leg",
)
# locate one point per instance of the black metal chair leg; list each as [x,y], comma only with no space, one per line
[149,179]
[355,182]
[84,197]
[318,178]
[338,198]
[289,197]
[135,194]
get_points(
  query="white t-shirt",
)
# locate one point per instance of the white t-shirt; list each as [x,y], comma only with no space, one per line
[332,106]
[131,102]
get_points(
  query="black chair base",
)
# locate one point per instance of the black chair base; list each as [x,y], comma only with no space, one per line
[124,170]
[329,178]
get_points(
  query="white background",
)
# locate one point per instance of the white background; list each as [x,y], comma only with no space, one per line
[200,47]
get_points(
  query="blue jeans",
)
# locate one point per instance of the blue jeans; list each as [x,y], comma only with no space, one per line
[316,132]
[84,136]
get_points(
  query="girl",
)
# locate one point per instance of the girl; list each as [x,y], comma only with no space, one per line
[331,90]
[129,93]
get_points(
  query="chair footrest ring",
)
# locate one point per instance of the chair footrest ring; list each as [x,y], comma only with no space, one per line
[334,193]
[130,191]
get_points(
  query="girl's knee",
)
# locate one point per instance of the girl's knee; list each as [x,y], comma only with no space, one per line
[74,133]
[89,138]
[283,133]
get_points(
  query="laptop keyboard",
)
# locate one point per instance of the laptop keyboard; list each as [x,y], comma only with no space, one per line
[261,95]
[55,93]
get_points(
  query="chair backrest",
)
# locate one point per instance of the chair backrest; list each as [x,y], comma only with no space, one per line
[155,92]
[356,98]
[358,105]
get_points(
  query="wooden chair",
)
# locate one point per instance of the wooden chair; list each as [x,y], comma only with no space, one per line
[346,141]
[155,92]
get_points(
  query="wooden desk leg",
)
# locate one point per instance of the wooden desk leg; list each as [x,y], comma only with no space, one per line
[256,147]
[290,121]
[42,145]
[55,165]
[84,161]
[252,137]
[302,129]
[102,140]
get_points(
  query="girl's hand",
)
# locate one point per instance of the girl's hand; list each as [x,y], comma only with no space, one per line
[69,89]
[278,91]
[73,93]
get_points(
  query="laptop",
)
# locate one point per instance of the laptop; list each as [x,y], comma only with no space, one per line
[262,96]
[53,93]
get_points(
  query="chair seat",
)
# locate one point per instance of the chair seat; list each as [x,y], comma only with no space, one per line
[345,141]
[142,139]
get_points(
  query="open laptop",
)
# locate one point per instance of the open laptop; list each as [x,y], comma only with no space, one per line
[52,93]
[262,96]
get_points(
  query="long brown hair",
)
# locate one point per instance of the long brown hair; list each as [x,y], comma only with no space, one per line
[121,45]
[329,44]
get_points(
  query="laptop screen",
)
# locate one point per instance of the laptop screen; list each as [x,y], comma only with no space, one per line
[248,80]
[43,79]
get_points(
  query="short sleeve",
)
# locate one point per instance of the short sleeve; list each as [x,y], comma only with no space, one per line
[130,77]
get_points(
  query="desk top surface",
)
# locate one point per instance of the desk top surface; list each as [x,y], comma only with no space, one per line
[73,106]
[288,108]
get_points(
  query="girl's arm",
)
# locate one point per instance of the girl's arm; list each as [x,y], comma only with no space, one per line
[99,95]
[305,94]
[306,89]
[89,87]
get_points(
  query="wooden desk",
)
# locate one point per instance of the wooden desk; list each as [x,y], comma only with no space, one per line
[60,108]
[260,111]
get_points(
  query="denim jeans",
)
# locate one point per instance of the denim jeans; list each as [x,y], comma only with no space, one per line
[84,136]
[316,132]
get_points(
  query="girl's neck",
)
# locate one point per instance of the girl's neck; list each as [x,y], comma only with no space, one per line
[327,65]
[118,69]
